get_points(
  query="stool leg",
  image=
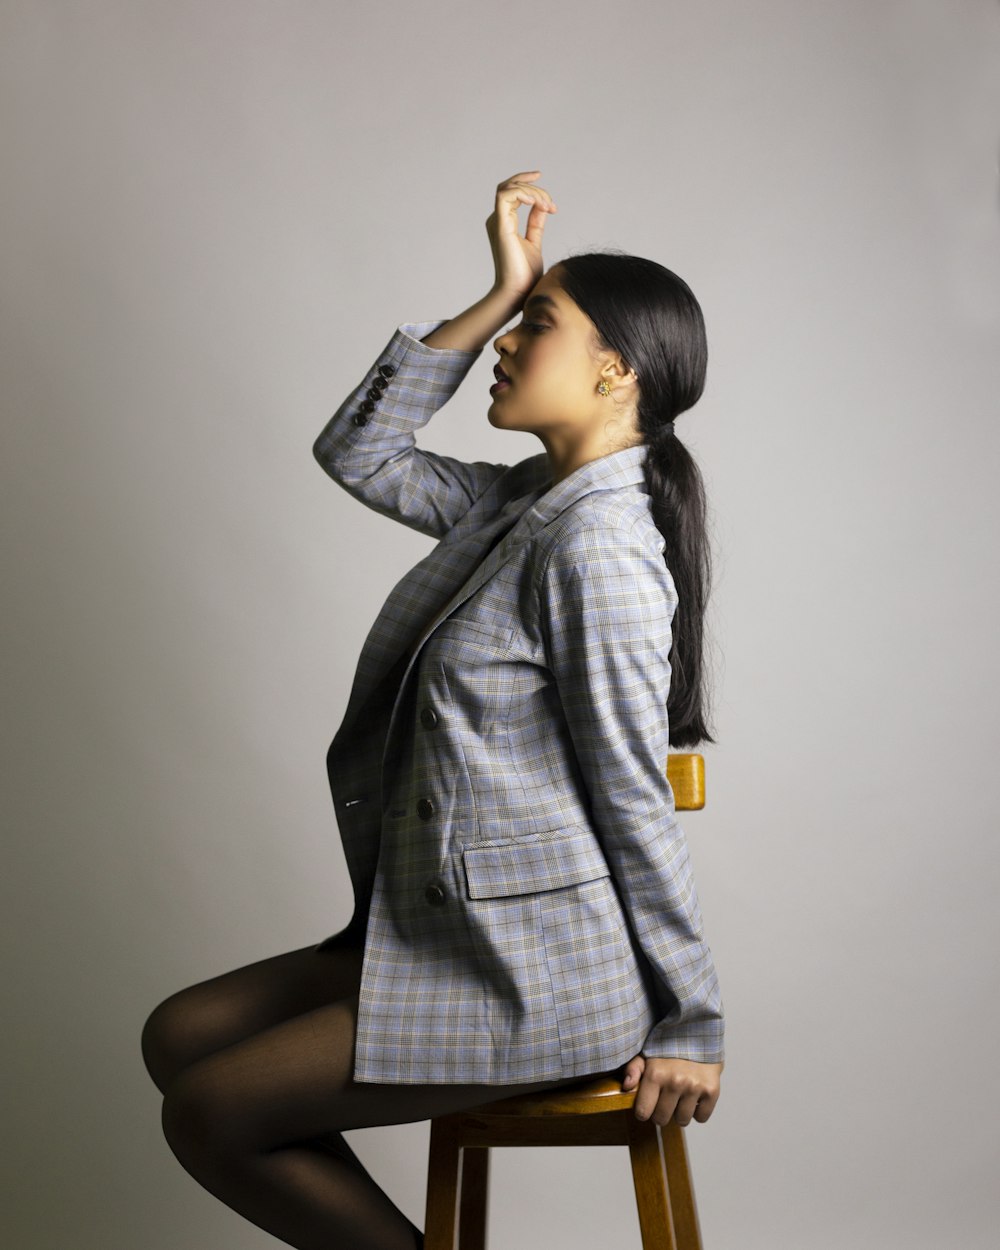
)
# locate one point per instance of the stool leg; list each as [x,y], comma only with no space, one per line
[650,1180]
[474,1202]
[444,1172]
[682,1202]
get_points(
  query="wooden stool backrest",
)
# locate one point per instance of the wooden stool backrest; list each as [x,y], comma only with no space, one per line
[686,774]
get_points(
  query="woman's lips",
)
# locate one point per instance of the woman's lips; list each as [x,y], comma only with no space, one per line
[497,387]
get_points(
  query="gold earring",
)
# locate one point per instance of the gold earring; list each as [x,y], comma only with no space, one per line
[604,388]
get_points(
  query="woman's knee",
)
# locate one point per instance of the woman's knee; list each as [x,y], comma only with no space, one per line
[166,1041]
[186,1027]
[206,1017]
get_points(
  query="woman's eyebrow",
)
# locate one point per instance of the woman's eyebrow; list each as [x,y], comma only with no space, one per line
[544,301]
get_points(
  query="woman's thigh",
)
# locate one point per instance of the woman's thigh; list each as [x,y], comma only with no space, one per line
[210,1015]
[293,1082]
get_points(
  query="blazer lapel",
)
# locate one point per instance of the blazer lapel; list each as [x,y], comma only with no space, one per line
[400,629]
[458,565]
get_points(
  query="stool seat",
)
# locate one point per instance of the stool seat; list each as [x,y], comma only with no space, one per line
[594,1095]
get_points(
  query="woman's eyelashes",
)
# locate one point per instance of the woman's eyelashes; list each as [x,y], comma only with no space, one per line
[533,326]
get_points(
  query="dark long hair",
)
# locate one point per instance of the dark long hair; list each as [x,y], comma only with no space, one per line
[650,316]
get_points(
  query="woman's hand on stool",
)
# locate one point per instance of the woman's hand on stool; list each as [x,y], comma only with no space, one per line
[672,1088]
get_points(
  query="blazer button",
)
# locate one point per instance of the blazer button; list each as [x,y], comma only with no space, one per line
[428,717]
[386,370]
[367,405]
[425,809]
[435,895]
[360,419]
[374,394]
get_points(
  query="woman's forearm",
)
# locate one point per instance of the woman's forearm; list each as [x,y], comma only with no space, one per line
[471,329]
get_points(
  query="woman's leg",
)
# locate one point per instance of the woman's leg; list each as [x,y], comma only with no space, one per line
[213,1014]
[245,1122]
[210,1015]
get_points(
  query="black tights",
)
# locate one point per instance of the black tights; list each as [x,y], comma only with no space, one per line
[255,1068]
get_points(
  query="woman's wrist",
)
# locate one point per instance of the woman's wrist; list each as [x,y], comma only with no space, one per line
[482,321]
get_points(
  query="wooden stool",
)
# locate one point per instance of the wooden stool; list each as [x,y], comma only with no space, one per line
[594,1113]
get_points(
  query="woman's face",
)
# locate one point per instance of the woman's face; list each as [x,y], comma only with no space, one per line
[554,368]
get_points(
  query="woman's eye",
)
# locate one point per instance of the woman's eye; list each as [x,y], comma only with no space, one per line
[532,326]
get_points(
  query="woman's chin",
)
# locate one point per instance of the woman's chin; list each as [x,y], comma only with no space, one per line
[501,419]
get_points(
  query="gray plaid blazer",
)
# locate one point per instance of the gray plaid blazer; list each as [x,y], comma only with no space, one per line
[522,887]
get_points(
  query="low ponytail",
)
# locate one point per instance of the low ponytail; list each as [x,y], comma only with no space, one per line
[650,316]
[678,494]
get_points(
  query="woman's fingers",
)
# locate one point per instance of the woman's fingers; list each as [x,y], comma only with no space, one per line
[685,1108]
[518,190]
[633,1071]
[508,202]
[535,226]
[648,1099]
[678,1089]
[705,1107]
[525,176]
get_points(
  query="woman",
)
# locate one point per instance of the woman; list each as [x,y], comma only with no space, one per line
[525,913]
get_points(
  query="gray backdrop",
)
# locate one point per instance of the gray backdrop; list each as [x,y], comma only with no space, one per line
[214,216]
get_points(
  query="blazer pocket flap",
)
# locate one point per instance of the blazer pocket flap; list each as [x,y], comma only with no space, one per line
[525,865]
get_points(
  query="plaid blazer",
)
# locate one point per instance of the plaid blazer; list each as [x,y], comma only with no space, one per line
[522,887]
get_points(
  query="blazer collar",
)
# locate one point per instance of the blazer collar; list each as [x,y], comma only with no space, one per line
[616,469]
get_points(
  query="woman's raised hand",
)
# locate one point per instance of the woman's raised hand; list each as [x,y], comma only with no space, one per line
[517,260]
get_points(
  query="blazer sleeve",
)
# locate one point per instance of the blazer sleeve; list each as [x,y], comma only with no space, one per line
[368,445]
[607,602]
